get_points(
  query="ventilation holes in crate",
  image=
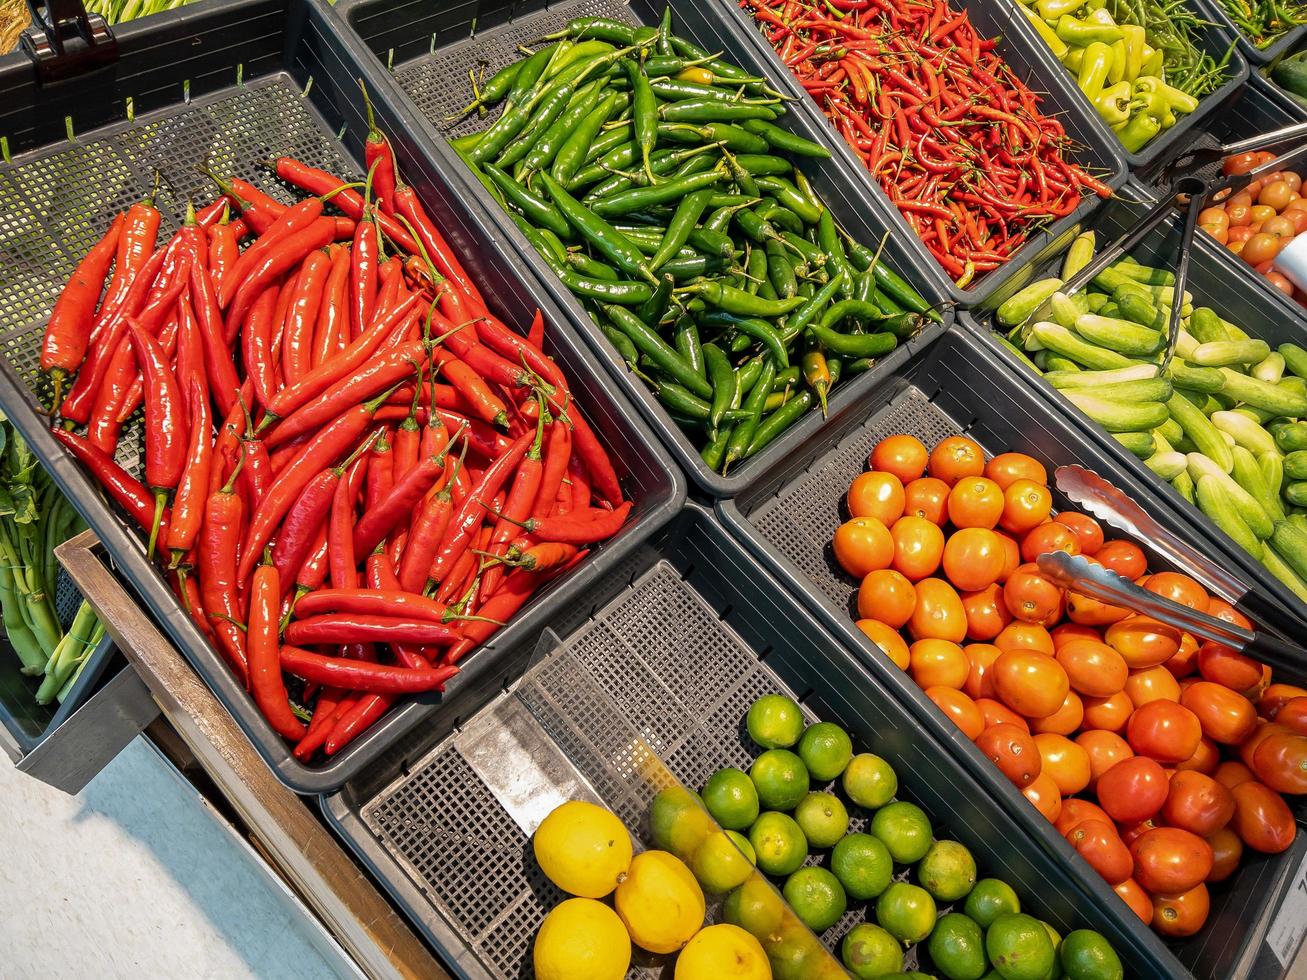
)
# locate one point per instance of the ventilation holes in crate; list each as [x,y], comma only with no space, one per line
[175,147]
[77,189]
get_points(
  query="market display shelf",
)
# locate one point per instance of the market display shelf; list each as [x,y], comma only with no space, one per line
[233,84]
[663,662]
[432,48]
[1256,56]
[786,523]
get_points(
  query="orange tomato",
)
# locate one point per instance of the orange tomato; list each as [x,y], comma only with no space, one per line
[1261,818]
[1132,790]
[1152,684]
[1280,761]
[973,557]
[1170,860]
[1093,667]
[878,495]
[1108,714]
[926,497]
[1134,896]
[1065,720]
[1105,749]
[1218,607]
[1227,849]
[956,457]
[1006,468]
[1032,598]
[1026,505]
[1205,758]
[1025,636]
[1065,633]
[903,455]
[938,613]
[1197,803]
[1292,714]
[1076,811]
[886,595]
[981,656]
[1013,750]
[1099,844]
[1011,553]
[918,547]
[1225,715]
[1275,695]
[887,638]
[1088,531]
[1143,641]
[1048,538]
[1088,611]
[863,545]
[1123,557]
[961,710]
[1231,773]
[1064,761]
[1225,665]
[998,713]
[1178,588]
[1042,792]
[1032,684]
[975,501]
[1177,916]
[1164,731]
[986,612]
[1185,661]
[938,663]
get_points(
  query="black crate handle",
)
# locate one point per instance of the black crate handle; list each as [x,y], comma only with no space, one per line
[64,40]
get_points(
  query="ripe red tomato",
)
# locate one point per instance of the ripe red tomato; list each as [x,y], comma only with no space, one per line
[1105,750]
[1231,773]
[1131,832]
[1170,860]
[1262,819]
[1181,915]
[1098,843]
[1032,598]
[1225,715]
[1205,758]
[1014,751]
[1088,531]
[1227,849]
[903,455]
[1292,714]
[956,457]
[1048,538]
[1275,695]
[1225,665]
[1133,790]
[998,713]
[1164,730]
[1178,588]
[1076,810]
[926,497]
[1006,468]
[1197,803]
[1123,557]
[1280,761]
[1135,897]
[1042,792]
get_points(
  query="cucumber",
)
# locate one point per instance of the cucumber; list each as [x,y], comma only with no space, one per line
[1062,341]
[1222,353]
[1111,279]
[1185,345]
[1109,309]
[1252,512]
[1183,484]
[1298,518]
[1016,309]
[1290,543]
[1207,326]
[1260,394]
[1245,431]
[1167,465]
[1248,475]
[1272,467]
[1295,359]
[1088,379]
[1079,255]
[1171,431]
[1185,375]
[1216,504]
[1097,301]
[1289,436]
[1277,566]
[1234,331]
[1118,416]
[1144,273]
[1229,439]
[1140,444]
[1295,465]
[1200,430]
[1054,363]
[1270,368]
[1146,390]
[1118,335]
[1064,310]
[1017,352]
[1137,306]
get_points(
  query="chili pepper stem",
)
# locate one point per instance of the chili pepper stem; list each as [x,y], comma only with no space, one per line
[160,502]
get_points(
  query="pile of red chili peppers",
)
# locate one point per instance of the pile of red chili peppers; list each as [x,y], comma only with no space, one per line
[956,140]
[355,471]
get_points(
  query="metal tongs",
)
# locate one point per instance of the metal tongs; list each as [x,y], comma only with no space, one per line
[1098,497]
[1078,574]
[1286,138]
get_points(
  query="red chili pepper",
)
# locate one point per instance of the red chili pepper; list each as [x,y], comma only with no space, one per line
[264,647]
[408,437]
[518,505]
[224,386]
[340,527]
[329,335]
[302,317]
[165,433]
[490,365]
[285,254]
[127,492]
[517,589]
[256,345]
[224,250]
[363,277]
[320,182]
[379,160]
[136,247]
[193,490]
[330,707]
[536,335]
[395,603]
[582,526]
[69,330]
[350,724]
[187,591]
[433,244]
[557,456]
[487,406]
[397,505]
[358,628]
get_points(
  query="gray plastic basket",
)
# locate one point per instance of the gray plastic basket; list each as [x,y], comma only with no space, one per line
[667,657]
[432,47]
[959,386]
[1297,108]
[234,84]
[1256,56]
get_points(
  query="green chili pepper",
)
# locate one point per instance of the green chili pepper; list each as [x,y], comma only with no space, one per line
[598,232]
[853,309]
[828,238]
[536,209]
[653,310]
[780,272]
[572,152]
[743,179]
[715,450]
[587,265]
[673,89]
[541,120]
[689,405]
[603,28]
[742,434]
[711,242]
[686,337]
[610,140]
[810,252]
[725,384]
[748,374]
[694,266]
[755,228]
[644,111]
[754,328]
[816,374]
[621,342]
[800,318]
[658,350]
[854,345]
[902,325]
[790,196]
[583,50]
[546,148]
[638,198]
[779,216]
[764,164]
[756,268]
[900,290]
[786,141]
[687,215]
[780,420]
[664,42]
[734,138]
[709,110]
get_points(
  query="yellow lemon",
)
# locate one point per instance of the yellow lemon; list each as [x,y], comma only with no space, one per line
[582,939]
[723,952]
[583,849]
[660,902]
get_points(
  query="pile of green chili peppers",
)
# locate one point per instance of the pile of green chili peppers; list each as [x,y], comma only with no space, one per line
[651,178]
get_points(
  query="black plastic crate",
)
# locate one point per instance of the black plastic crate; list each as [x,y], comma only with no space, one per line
[1256,56]
[665,659]
[787,523]
[430,47]
[234,84]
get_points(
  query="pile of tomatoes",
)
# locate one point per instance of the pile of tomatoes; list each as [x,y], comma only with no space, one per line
[1158,758]
[1260,220]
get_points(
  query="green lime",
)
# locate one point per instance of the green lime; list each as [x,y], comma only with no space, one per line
[780,778]
[756,907]
[905,830]
[774,722]
[1086,955]
[906,912]
[870,781]
[826,750]
[743,844]
[863,865]
[989,899]
[823,819]
[869,951]
[779,843]
[719,865]
[816,896]
[1056,972]
[948,871]
[731,798]
[793,952]
[678,821]
[957,947]
[1019,947]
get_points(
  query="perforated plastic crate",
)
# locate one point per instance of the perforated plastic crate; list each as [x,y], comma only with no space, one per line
[432,47]
[665,659]
[235,84]
[960,386]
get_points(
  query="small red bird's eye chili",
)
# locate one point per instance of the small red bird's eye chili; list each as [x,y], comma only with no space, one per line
[263,643]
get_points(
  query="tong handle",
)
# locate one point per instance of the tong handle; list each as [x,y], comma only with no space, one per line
[1267,141]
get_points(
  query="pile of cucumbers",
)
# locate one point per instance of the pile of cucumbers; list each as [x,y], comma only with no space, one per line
[1225,424]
